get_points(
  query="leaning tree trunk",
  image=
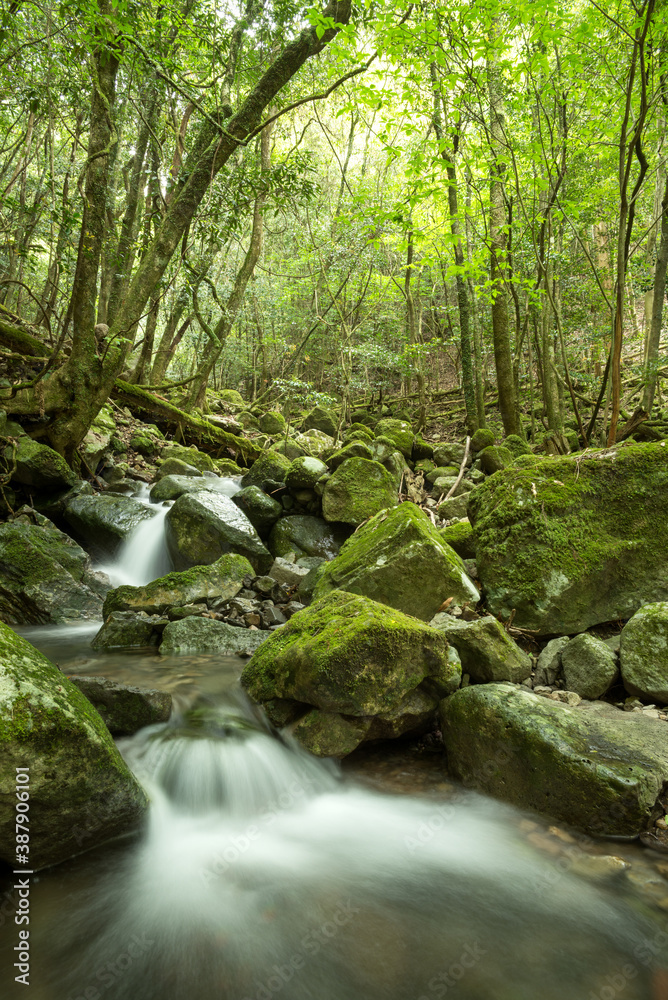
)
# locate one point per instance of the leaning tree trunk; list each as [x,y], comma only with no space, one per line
[654,337]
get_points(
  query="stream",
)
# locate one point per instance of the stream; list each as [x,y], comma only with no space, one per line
[262,872]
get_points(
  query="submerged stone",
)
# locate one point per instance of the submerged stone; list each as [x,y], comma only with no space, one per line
[573,542]
[593,766]
[124,709]
[81,791]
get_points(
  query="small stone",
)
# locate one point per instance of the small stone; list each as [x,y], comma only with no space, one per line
[292,608]
[252,619]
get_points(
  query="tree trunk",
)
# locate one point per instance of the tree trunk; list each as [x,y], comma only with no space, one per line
[499,246]
[654,337]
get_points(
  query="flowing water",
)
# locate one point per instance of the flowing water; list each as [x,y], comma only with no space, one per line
[264,873]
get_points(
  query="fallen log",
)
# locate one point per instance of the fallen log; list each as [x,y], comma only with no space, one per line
[193,429]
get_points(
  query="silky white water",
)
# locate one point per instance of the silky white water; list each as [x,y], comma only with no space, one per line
[144,556]
[262,874]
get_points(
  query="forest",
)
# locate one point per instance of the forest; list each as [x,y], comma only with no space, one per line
[461,209]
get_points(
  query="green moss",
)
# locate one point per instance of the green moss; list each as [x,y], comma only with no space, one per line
[349,654]
[576,527]
[482,438]
[357,490]
[516,445]
[459,536]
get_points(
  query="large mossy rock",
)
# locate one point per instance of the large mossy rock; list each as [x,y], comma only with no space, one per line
[304,473]
[221,580]
[644,653]
[128,630]
[321,419]
[366,669]
[98,438]
[400,559]
[590,667]
[124,709]
[37,466]
[399,432]
[205,635]
[357,490]
[486,650]
[45,576]
[573,542]
[103,522]
[191,456]
[593,766]
[268,471]
[201,527]
[81,791]
[305,536]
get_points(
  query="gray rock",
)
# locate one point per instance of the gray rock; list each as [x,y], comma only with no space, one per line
[486,650]
[103,522]
[44,575]
[303,535]
[201,527]
[593,766]
[81,791]
[590,668]
[176,467]
[125,709]
[644,653]
[262,511]
[127,630]
[549,661]
[173,487]
[283,571]
[205,635]
[454,507]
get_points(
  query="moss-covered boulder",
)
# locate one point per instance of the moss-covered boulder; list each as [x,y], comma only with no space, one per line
[516,445]
[81,791]
[593,766]
[449,453]
[248,420]
[176,467]
[348,656]
[221,580]
[128,630]
[486,650]
[268,471]
[459,536]
[289,448]
[590,667]
[231,400]
[494,458]
[399,559]
[644,653]
[353,449]
[103,522]
[272,423]
[314,442]
[304,473]
[201,527]
[573,542]
[261,510]
[483,438]
[124,709]
[322,419]
[191,456]
[45,577]
[399,432]
[227,469]
[305,536]
[357,490]
[205,635]
[454,507]
[173,487]
[145,444]
[357,432]
[441,472]
[37,466]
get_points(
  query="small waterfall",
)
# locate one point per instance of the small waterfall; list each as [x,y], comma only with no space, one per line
[262,875]
[143,556]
